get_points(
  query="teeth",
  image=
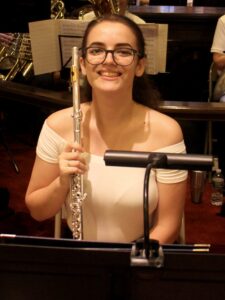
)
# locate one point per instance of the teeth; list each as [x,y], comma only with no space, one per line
[109,74]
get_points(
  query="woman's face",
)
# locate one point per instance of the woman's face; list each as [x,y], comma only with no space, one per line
[108,76]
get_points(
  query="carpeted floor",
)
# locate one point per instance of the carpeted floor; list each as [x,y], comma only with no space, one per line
[203,224]
[15,218]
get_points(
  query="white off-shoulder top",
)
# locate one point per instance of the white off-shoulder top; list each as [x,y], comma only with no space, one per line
[113,208]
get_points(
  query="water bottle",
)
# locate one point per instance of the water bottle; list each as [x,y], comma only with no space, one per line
[215,164]
[189,2]
[217,188]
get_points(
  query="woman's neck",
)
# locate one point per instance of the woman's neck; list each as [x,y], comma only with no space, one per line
[109,122]
[111,109]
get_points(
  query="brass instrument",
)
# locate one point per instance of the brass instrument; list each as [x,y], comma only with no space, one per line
[19,53]
[11,49]
[9,53]
[57,9]
[76,189]
[23,61]
[103,7]
[3,53]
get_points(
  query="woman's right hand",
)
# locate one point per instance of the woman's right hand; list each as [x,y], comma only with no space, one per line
[71,161]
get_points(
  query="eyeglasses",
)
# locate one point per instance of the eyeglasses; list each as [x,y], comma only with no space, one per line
[121,56]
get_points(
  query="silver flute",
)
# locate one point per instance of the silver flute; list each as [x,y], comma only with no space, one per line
[76,188]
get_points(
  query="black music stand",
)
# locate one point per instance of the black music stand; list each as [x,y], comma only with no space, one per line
[44,268]
[149,252]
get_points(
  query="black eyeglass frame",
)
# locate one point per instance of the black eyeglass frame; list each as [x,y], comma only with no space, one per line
[134,51]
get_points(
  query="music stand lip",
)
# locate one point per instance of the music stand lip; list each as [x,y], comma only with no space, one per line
[62,242]
[90,254]
[141,159]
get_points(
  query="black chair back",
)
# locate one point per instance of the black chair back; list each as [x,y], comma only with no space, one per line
[213,3]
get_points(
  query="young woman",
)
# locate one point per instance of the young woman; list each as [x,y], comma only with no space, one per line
[113,60]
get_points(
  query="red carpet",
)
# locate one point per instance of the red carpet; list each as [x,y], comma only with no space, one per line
[17,219]
[204,224]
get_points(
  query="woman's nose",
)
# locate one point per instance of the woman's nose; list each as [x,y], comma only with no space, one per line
[109,58]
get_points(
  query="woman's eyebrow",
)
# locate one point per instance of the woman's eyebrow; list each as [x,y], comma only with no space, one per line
[100,44]
[96,44]
[124,45]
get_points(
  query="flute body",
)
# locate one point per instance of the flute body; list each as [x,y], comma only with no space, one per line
[76,189]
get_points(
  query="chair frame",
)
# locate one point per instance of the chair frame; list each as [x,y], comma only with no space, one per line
[213,76]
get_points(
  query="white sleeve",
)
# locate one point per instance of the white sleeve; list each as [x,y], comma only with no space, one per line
[172,176]
[49,145]
[218,45]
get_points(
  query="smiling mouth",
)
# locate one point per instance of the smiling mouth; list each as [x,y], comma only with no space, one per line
[109,74]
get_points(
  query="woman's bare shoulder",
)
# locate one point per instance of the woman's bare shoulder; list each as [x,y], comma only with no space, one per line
[60,119]
[165,127]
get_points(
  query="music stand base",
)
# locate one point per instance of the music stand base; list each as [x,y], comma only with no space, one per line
[139,258]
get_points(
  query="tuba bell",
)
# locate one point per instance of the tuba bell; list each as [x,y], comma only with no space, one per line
[103,7]
[57,9]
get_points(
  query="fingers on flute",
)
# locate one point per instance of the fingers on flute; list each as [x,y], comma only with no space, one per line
[77,162]
[73,147]
[73,161]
